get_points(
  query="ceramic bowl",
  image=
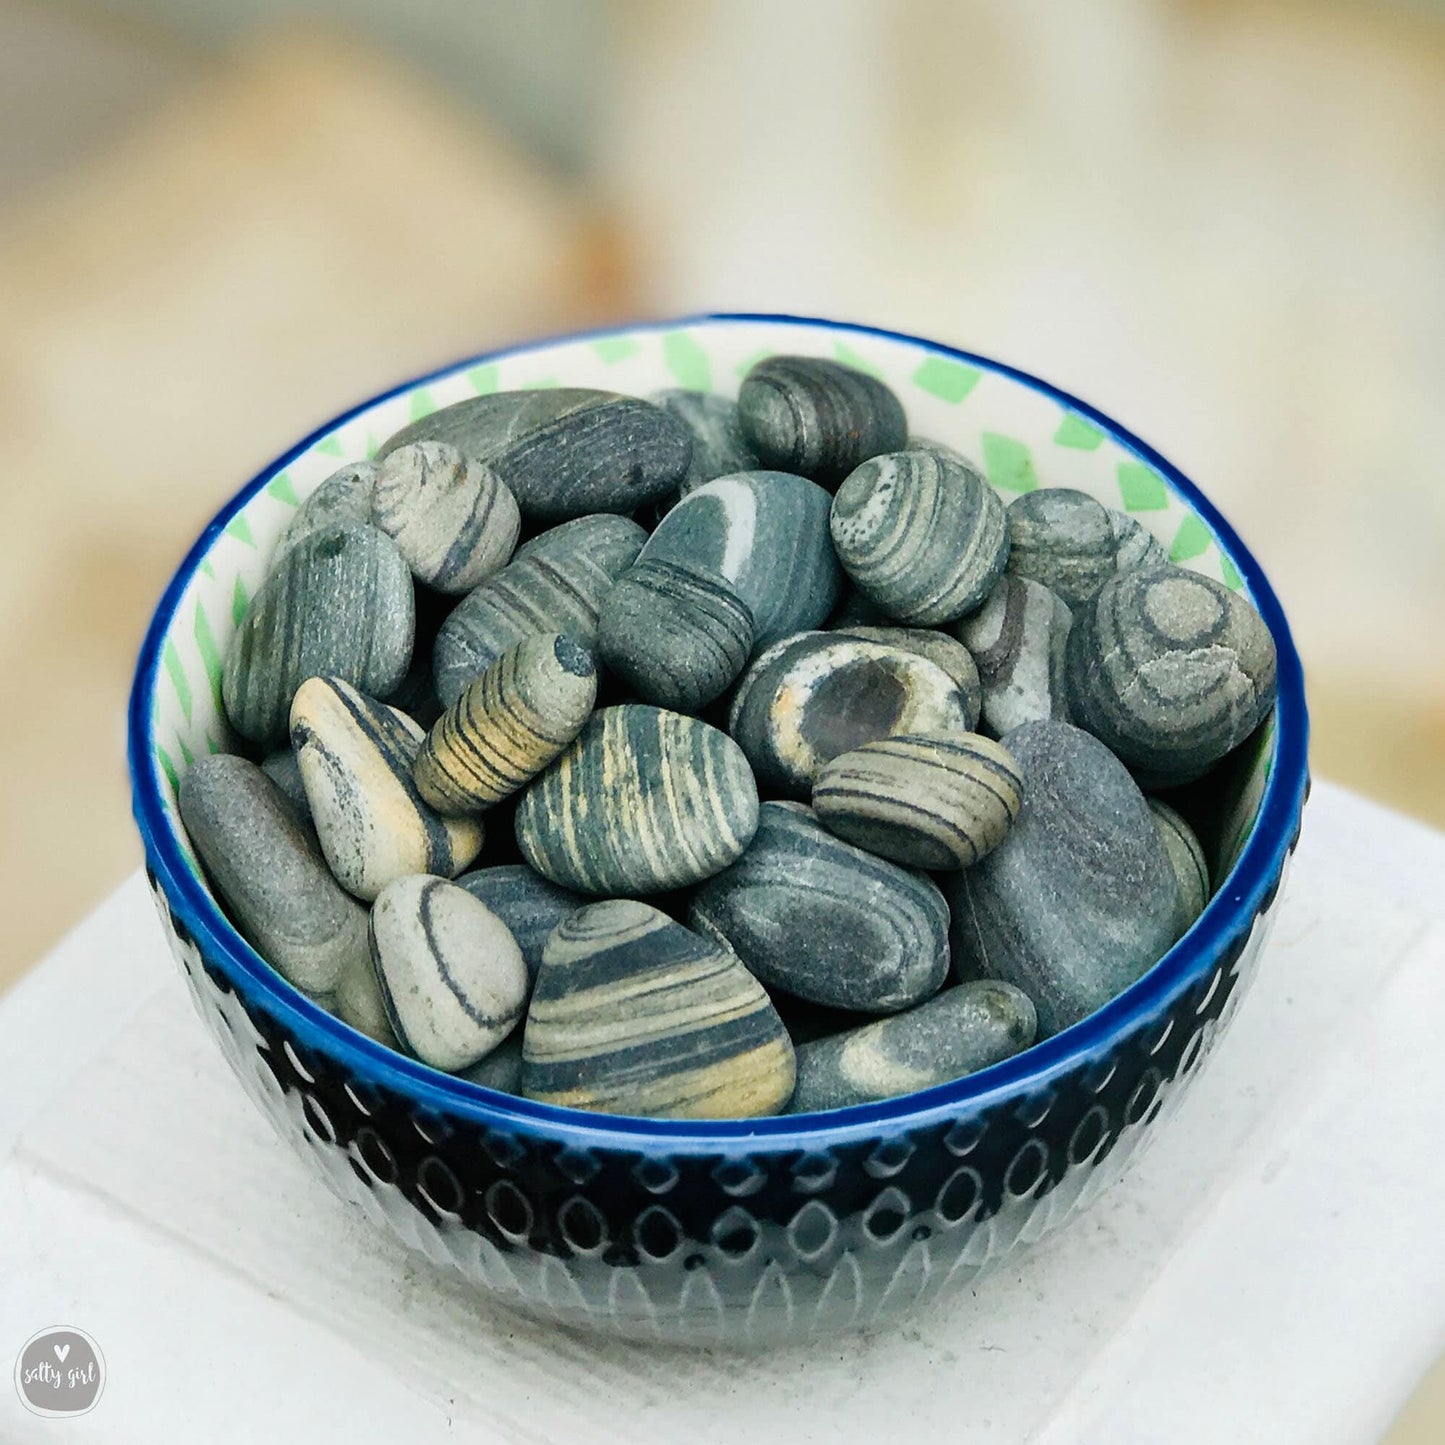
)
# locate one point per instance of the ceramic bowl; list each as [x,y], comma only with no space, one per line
[730,1232]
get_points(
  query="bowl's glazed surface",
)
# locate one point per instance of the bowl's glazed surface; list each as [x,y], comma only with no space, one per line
[756,1230]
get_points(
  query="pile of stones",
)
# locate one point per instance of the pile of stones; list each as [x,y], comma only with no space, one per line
[801,771]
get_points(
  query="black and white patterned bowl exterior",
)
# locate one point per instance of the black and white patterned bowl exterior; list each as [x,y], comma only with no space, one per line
[731,1233]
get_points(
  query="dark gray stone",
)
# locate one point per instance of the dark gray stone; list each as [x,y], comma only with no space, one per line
[1187,859]
[719,447]
[501,1069]
[283,770]
[345,496]
[527,903]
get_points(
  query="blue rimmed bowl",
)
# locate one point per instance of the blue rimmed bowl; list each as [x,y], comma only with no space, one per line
[764,1229]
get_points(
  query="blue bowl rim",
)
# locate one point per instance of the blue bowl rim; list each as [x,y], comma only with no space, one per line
[1229,914]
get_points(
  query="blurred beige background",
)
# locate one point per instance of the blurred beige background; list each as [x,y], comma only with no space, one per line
[220,223]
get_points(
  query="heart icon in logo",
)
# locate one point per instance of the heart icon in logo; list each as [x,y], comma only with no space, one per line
[61,1351]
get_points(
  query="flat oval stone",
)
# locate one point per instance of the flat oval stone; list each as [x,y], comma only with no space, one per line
[818,918]
[356,758]
[677,636]
[531,906]
[270,875]
[555,583]
[819,694]
[451,517]
[719,447]
[345,496]
[451,976]
[766,535]
[357,1001]
[635,1014]
[643,801]
[339,603]
[1171,670]
[501,1069]
[953,657]
[1079,899]
[922,534]
[958,1032]
[1064,539]
[818,418]
[1186,856]
[565,451]
[1019,639]
[1134,545]
[926,802]
[508,725]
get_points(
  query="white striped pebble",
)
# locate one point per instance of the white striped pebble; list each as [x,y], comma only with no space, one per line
[643,801]
[1187,857]
[451,975]
[927,802]
[1019,638]
[634,1014]
[451,517]
[356,757]
[922,534]
[508,725]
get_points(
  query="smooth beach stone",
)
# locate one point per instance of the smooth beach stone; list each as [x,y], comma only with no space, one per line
[1019,639]
[677,636]
[719,447]
[451,516]
[813,696]
[283,770]
[531,906]
[357,1001]
[924,536]
[818,418]
[501,1069]
[345,496]
[1171,670]
[958,1032]
[508,725]
[952,656]
[565,451]
[927,802]
[451,975]
[818,918]
[272,878]
[356,757]
[766,535]
[554,583]
[1064,539]
[339,603]
[1186,856]
[1080,898]
[635,1014]
[1135,545]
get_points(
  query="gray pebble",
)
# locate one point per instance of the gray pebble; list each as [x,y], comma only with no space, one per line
[340,602]
[1187,858]
[271,877]
[1080,899]
[1019,639]
[818,418]
[345,496]
[719,447]
[1171,670]
[501,1069]
[958,1032]
[283,770]
[531,906]
[923,535]
[1064,539]
[1134,545]
[451,516]
[825,921]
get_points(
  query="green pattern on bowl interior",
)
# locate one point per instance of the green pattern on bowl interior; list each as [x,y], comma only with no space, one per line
[1020,437]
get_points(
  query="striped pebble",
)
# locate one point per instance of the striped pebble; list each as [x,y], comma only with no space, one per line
[1063,539]
[340,602]
[827,922]
[555,583]
[1187,858]
[923,535]
[1019,638]
[820,694]
[635,1014]
[1134,545]
[677,636]
[451,976]
[345,496]
[527,903]
[953,657]
[356,760]
[1171,670]
[564,451]
[262,862]
[818,418]
[926,802]
[508,725]
[643,801]
[451,517]
[719,447]
[958,1032]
